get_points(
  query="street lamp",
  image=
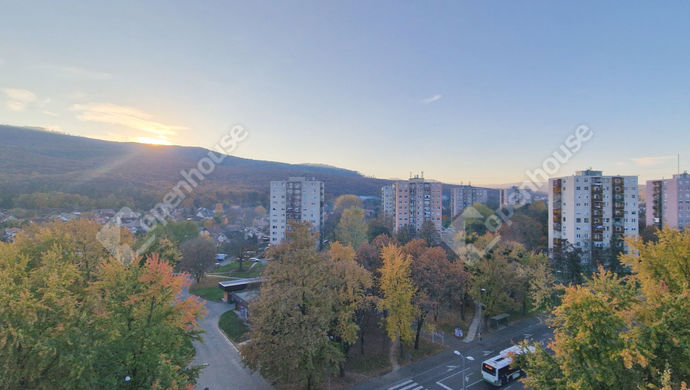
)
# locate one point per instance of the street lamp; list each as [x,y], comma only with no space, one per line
[470,358]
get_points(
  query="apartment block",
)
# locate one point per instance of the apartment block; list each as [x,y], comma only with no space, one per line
[668,202]
[416,201]
[514,197]
[295,199]
[590,211]
[388,200]
[464,196]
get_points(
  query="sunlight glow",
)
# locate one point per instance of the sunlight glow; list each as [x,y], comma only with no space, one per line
[152,141]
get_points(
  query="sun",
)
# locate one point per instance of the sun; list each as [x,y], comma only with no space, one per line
[152,141]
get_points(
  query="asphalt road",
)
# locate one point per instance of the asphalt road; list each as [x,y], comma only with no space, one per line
[444,371]
[225,369]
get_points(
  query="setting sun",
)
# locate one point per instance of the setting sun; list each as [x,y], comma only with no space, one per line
[152,141]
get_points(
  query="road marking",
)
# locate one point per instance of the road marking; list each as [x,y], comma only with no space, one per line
[487,353]
[528,335]
[448,377]
[444,386]
[400,384]
[407,385]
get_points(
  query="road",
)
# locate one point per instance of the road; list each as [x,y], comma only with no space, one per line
[225,369]
[444,371]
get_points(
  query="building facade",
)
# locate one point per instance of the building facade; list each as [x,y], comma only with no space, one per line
[388,200]
[464,196]
[590,211]
[416,201]
[668,202]
[296,199]
[514,197]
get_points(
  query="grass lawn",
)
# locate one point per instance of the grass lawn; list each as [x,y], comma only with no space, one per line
[249,270]
[207,288]
[232,326]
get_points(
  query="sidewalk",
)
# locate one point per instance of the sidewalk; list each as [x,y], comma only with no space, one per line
[474,325]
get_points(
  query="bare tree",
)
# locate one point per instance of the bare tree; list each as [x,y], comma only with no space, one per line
[198,254]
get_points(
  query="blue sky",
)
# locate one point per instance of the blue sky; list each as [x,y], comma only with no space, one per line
[467,92]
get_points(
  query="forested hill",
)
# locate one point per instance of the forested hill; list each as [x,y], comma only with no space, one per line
[34,160]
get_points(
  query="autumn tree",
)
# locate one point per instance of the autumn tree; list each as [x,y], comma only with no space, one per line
[429,272]
[351,283]
[291,319]
[352,229]
[494,281]
[398,290]
[198,254]
[344,202]
[74,317]
[623,331]
[166,249]
[429,233]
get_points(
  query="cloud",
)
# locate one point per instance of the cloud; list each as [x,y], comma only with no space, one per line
[130,117]
[649,161]
[432,99]
[21,95]
[18,99]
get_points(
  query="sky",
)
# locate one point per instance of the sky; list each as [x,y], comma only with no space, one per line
[466,92]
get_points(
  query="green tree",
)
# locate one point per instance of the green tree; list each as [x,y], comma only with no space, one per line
[289,341]
[352,229]
[398,290]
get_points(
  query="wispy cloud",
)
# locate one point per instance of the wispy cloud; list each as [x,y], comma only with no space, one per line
[432,99]
[649,161]
[18,99]
[130,117]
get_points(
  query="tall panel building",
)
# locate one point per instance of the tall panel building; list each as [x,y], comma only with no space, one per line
[295,199]
[462,197]
[388,200]
[416,201]
[668,202]
[590,211]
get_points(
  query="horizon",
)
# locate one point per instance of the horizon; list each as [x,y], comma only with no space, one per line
[465,93]
[537,183]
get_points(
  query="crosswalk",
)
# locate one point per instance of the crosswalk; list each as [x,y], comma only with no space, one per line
[407,385]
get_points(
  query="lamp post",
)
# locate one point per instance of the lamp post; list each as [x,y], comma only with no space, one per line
[481,316]
[470,358]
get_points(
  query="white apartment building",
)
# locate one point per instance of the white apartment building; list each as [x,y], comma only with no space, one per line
[588,210]
[416,201]
[668,202]
[388,200]
[295,199]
